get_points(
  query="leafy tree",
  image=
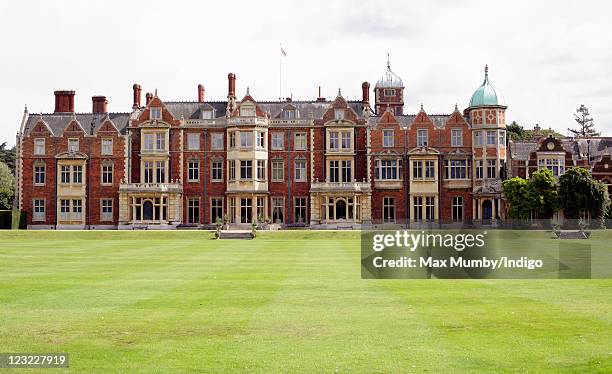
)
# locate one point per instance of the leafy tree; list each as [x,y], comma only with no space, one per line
[536,197]
[7,186]
[579,192]
[517,191]
[7,156]
[544,194]
[586,127]
[515,131]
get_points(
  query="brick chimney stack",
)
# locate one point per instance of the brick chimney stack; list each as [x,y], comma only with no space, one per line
[137,91]
[149,97]
[231,80]
[64,101]
[99,104]
[200,93]
[365,93]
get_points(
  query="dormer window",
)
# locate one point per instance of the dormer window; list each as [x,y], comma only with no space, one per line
[288,114]
[207,114]
[247,112]
[156,113]
[339,114]
[389,92]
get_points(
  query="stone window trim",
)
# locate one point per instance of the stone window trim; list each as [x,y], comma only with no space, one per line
[104,142]
[388,142]
[191,161]
[389,209]
[37,144]
[106,216]
[43,164]
[39,215]
[103,164]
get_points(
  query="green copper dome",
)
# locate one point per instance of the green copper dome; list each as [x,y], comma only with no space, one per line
[486,95]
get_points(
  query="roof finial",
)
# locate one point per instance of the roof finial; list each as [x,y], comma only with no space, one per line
[456,107]
[339,92]
[248,90]
[388,63]
[156,92]
[421,106]
[26,108]
[486,70]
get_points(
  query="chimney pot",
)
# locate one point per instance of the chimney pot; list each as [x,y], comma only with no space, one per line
[149,97]
[200,93]
[137,90]
[365,92]
[231,81]
[99,104]
[64,101]
[320,98]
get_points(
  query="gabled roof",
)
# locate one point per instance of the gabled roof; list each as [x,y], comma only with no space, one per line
[57,122]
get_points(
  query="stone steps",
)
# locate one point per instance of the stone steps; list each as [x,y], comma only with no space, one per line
[235,234]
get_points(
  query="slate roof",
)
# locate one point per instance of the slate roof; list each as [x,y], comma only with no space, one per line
[192,109]
[596,148]
[58,121]
[521,150]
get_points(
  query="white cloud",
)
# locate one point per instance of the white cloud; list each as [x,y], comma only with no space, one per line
[546,57]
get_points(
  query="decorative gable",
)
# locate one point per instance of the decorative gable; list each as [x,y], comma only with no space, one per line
[74,126]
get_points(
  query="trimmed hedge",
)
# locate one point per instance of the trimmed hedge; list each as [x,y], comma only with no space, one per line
[6,219]
[13,220]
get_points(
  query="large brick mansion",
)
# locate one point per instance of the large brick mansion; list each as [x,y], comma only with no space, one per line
[322,163]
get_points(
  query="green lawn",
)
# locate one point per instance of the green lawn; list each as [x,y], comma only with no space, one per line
[285,302]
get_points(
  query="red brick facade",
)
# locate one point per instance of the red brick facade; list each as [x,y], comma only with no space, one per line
[323,163]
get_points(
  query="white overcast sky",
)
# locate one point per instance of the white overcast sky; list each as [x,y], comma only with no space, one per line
[545,57]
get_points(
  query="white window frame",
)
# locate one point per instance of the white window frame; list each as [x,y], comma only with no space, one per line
[107,146]
[193,170]
[246,169]
[261,170]
[386,168]
[105,172]
[300,203]
[156,113]
[491,138]
[388,138]
[193,141]
[73,145]
[422,137]
[193,205]
[42,172]
[456,137]
[278,141]
[215,205]
[38,210]
[278,170]
[260,139]
[39,146]
[478,138]
[457,207]
[388,206]
[339,114]
[300,170]
[105,214]
[246,139]
[216,141]
[216,170]
[299,142]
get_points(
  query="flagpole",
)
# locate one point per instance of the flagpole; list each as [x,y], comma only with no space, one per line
[280,72]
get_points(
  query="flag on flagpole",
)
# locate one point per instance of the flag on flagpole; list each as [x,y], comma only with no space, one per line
[283,52]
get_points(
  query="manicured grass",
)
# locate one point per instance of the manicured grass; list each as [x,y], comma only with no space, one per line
[159,302]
